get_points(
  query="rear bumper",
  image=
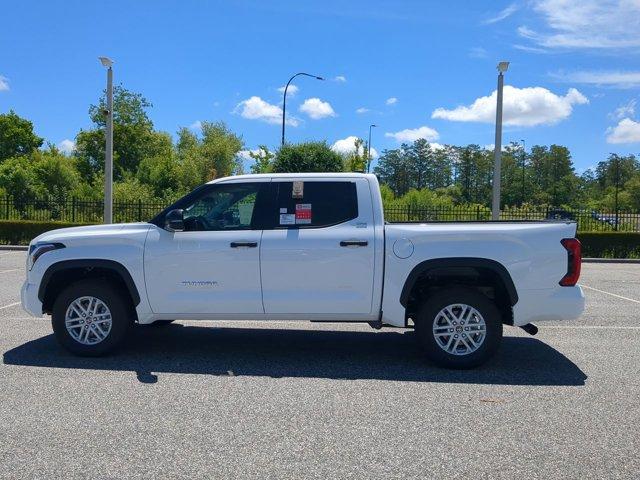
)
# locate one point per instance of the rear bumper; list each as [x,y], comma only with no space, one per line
[30,301]
[560,303]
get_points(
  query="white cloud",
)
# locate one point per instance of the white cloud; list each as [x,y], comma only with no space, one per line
[4,84]
[413,134]
[348,145]
[340,78]
[627,131]
[196,126]
[255,108]
[362,110]
[317,109]
[522,107]
[501,15]
[596,24]
[293,89]
[623,111]
[618,79]
[477,52]
[391,101]
[67,146]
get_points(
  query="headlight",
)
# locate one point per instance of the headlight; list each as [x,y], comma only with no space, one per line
[36,250]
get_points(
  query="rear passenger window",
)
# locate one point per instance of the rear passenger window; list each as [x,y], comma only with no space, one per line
[321,204]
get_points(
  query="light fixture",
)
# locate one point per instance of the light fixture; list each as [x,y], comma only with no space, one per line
[106,61]
[503,66]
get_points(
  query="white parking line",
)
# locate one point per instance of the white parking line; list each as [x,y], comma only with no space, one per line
[10,305]
[13,270]
[609,293]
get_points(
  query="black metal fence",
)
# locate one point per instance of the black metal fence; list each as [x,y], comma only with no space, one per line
[74,210]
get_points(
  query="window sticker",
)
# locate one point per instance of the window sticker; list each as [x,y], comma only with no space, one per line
[287,219]
[303,213]
[297,190]
[284,210]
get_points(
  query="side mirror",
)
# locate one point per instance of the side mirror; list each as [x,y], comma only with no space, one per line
[174,220]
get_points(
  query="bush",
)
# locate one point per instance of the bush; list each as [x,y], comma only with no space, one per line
[307,157]
[21,232]
[610,244]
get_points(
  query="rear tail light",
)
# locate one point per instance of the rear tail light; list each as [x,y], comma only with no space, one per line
[574,254]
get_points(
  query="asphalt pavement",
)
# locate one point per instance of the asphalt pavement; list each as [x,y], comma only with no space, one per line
[301,400]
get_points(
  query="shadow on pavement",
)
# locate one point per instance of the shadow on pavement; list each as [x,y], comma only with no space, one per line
[383,355]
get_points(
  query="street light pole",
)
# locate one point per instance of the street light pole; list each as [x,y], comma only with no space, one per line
[497,163]
[617,187]
[108,153]
[369,147]
[284,100]
[524,159]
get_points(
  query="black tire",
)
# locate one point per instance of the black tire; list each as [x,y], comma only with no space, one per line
[458,295]
[112,297]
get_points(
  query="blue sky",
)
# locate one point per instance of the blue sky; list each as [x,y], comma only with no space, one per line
[414,68]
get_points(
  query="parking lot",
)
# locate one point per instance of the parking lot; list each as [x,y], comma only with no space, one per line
[301,400]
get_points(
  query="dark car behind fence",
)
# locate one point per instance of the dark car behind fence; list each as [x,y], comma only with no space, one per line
[75,210]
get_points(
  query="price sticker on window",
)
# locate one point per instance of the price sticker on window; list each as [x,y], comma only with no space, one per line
[303,213]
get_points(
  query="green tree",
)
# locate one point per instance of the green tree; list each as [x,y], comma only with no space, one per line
[16,136]
[211,155]
[395,169]
[133,135]
[263,159]
[17,180]
[307,157]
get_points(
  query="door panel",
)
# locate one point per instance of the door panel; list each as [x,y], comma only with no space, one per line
[213,267]
[199,272]
[306,270]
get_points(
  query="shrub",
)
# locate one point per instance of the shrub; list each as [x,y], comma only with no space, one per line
[610,244]
[307,157]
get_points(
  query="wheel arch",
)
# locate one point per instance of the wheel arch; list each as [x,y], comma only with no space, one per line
[59,274]
[461,271]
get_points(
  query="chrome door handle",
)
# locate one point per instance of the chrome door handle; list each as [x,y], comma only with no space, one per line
[243,244]
[354,243]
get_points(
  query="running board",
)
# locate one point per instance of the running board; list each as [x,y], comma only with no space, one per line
[530,328]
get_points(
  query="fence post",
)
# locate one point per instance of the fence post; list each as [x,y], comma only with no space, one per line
[477,212]
[139,210]
[73,210]
[6,197]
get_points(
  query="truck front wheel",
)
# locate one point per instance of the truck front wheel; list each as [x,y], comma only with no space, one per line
[459,328]
[90,318]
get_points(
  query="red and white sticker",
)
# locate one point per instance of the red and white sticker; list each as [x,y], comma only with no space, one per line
[303,213]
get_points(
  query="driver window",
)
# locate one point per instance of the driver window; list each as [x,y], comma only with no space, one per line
[222,207]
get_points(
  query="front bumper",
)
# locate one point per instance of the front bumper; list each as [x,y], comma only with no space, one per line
[29,298]
[560,303]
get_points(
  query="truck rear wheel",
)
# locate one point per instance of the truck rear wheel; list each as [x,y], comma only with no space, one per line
[90,318]
[459,328]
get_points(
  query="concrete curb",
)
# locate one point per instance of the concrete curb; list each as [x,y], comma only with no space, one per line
[19,248]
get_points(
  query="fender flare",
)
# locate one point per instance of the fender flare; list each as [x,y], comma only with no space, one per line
[118,268]
[472,262]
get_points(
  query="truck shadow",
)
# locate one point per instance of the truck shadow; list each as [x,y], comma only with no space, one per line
[277,353]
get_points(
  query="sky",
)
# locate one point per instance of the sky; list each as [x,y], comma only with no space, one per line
[416,69]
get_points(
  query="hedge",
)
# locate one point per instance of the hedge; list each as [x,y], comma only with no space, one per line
[610,244]
[21,232]
[594,244]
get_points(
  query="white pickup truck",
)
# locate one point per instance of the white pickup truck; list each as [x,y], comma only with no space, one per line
[304,247]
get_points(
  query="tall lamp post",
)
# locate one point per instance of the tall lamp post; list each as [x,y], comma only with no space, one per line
[284,100]
[497,165]
[524,160]
[369,147]
[108,152]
